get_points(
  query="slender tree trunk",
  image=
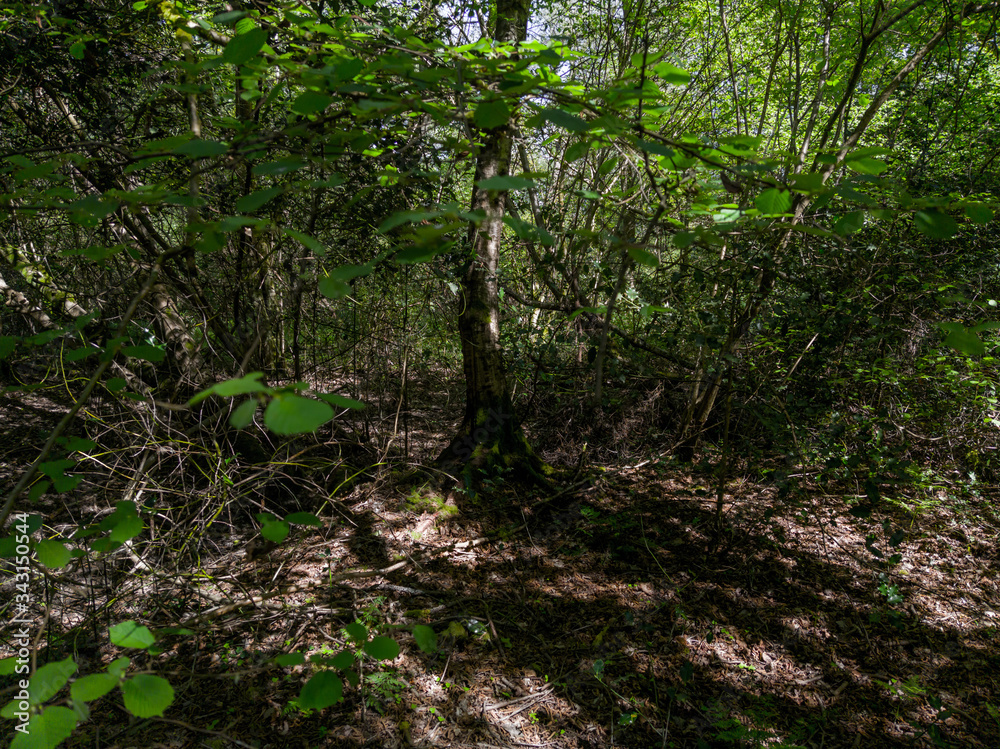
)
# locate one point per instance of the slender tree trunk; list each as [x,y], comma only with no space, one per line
[489,432]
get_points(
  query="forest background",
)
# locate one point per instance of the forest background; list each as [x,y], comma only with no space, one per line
[717,282]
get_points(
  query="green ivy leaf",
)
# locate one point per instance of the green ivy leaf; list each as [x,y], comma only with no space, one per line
[935,224]
[490,114]
[243,48]
[131,635]
[46,730]
[321,691]
[383,648]
[52,554]
[426,638]
[146,695]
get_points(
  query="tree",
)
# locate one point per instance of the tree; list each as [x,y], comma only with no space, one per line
[489,433]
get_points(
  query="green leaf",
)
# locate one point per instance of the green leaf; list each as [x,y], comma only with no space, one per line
[321,691]
[275,530]
[417,254]
[78,50]
[978,213]
[293,414]
[340,401]
[643,257]
[202,149]
[56,471]
[52,554]
[935,224]
[7,345]
[383,648]
[276,168]
[8,665]
[565,120]
[577,151]
[131,635]
[490,114]
[243,48]
[811,182]
[505,183]
[129,526]
[964,341]
[773,201]
[304,518]
[290,659]
[306,241]
[253,201]
[343,660]
[426,638]
[49,679]
[357,631]
[93,687]
[241,386]
[350,272]
[672,74]
[333,288]
[867,165]
[243,414]
[146,695]
[850,223]
[229,18]
[117,667]
[47,729]
[146,353]
[311,102]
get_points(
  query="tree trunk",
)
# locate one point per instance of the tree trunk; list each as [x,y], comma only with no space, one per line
[489,434]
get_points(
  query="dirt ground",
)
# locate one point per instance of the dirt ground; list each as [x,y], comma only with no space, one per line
[625,611]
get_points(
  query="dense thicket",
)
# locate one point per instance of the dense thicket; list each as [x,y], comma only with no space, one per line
[228,224]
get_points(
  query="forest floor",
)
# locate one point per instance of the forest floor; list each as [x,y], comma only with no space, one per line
[613,615]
